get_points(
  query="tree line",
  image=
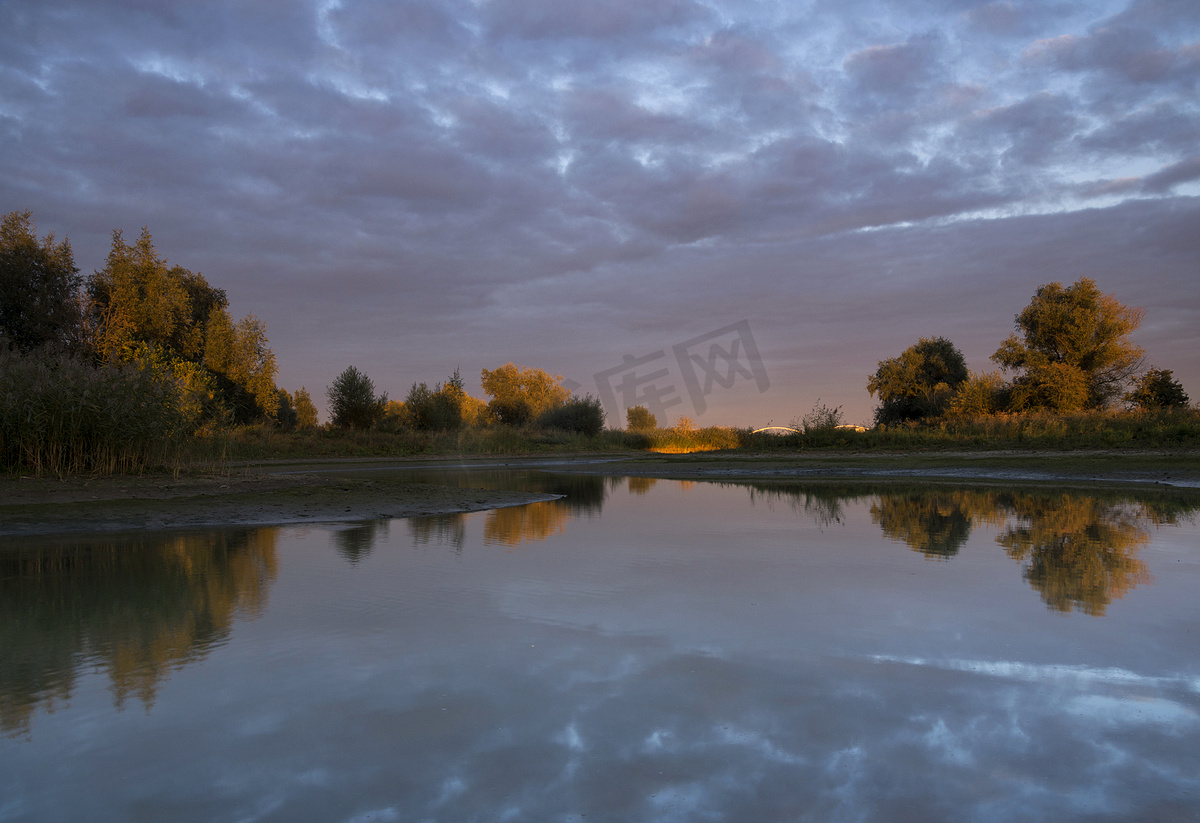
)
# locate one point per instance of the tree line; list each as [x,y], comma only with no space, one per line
[108,370]
[1071,351]
[519,397]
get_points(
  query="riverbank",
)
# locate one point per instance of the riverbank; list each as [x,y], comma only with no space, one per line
[250,496]
[338,490]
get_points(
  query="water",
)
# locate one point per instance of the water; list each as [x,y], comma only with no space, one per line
[640,650]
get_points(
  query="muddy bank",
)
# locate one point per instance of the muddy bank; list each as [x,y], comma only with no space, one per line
[43,505]
[1172,468]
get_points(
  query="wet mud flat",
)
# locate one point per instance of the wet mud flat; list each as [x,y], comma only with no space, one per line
[47,505]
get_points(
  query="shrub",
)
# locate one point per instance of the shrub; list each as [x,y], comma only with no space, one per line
[580,415]
[820,418]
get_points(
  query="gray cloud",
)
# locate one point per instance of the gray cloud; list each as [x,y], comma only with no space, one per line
[378,171]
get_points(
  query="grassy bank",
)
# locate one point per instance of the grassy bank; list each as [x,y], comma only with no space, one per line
[1162,431]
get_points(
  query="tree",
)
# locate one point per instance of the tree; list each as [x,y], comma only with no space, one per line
[1156,389]
[919,383]
[138,299]
[1073,349]
[306,412]
[244,364]
[640,418]
[352,400]
[521,394]
[39,287]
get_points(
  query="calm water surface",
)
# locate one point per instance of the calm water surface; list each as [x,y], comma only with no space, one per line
[640,650]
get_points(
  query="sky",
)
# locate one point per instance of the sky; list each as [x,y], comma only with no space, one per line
[733,210]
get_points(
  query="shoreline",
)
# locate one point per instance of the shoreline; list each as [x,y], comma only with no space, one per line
[287,492]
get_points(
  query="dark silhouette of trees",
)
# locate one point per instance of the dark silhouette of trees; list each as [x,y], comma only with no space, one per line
[1072,350]
[39,288]
[442,408]
[1157,389]
[919,383]
[352,400]
[640,418]
[581,415]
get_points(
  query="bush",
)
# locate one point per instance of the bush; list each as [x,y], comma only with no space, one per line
[819,419]
[579,415]
[515,412]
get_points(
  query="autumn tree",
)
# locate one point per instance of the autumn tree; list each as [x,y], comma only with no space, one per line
[306,412]
[39,287]
[352,400]
[919,383]
[520,395]
[244,364]
[1072,350]
[1157,389]
[142,306]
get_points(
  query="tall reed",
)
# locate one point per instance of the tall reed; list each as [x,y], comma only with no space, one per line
[59,413]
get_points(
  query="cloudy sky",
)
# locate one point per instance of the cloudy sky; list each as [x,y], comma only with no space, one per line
[414,185]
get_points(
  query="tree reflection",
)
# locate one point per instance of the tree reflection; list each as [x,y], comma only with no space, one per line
[1078,552]
[135,608]
[935,525]
[934,522]
[641,485]
[442,528]
[355,542]
[533,521]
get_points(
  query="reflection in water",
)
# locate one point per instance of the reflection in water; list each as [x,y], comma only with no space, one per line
[439,528]
[535,521]
[641,485]
[936,523]
[135,608]
[355,542]
[1079,551]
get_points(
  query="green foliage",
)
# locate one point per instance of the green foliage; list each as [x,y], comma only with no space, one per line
[352,400]
[820,418]
[61,413]
[919,383]
[579,415]
[1157,389]
[439,409]
[978,395]
[39,288]
[640,418]
[1072,350]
